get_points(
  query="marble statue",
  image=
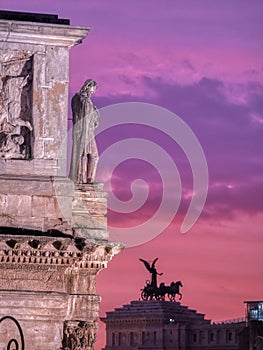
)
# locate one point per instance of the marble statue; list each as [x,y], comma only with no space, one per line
[84,156]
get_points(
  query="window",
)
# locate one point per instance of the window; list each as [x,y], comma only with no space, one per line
[113,339]
[195,338]
[212,337]
[154,337]
[202,337]
[131,338]
[143,338]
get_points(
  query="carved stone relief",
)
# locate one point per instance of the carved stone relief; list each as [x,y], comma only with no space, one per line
[79,335]
[16,106]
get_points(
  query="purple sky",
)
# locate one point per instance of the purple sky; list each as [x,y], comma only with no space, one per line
[203,61]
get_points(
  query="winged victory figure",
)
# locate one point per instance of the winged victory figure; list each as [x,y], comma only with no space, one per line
[151,268]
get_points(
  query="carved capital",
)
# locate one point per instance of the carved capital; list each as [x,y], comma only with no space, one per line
[79,335]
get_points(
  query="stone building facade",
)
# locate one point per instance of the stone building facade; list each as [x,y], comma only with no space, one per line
[167,325]
[53,234]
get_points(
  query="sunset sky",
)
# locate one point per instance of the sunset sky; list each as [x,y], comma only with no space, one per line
[198,63]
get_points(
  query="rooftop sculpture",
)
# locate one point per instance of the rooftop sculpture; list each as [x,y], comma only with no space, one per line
[152,291]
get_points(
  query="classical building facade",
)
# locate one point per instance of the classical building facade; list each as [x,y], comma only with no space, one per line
[167,325]
[53,233]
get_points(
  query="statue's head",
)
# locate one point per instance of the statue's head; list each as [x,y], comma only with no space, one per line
[89,86]
[18,139]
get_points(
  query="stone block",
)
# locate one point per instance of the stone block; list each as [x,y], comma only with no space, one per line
[58,71]
[94,234]
[86,221]
[56,111]
[36,185]
[41,167]
[38,203]
[93,206]
[18,205]
[30,223]
[89,211]
[3,204]
[45,206]
[83,307]
[45,203]
[63,187]
[58,225]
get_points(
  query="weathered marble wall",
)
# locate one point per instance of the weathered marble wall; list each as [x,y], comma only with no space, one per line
[53,235]
[46,47]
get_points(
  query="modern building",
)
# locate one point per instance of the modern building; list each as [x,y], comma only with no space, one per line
[253,334]
[163,325]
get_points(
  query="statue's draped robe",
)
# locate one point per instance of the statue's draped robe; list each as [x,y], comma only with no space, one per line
[85,120]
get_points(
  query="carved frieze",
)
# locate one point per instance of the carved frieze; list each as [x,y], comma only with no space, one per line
[77,253]
[53,264]
[79,335]
[16,105]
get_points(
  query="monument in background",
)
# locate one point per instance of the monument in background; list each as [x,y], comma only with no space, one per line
[53,233]
[152,322]
[167,325]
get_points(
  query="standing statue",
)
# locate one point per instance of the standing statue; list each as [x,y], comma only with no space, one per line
[153,271]
[84,156]
[152,291]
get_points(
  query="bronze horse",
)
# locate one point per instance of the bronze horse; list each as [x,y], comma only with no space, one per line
[150,292]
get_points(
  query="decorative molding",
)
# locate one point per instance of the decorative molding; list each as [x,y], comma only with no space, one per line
[76,253]
[42,33]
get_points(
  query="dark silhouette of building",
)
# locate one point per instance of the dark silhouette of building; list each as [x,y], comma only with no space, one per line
[158,324]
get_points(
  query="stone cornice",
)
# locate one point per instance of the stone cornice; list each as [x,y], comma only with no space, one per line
[41,33]
[74,253]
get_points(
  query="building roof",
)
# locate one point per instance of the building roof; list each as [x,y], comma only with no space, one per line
[167,311]
[33,17]
[253,301]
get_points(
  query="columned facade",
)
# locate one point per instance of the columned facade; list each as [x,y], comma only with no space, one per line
[164,325]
